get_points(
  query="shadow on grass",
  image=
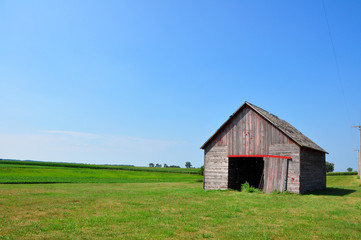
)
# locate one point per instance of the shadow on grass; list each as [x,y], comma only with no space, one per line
[331,191]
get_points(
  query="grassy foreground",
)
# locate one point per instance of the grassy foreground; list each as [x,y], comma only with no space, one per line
[177,210]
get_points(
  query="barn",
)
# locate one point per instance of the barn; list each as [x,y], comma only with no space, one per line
[257,147]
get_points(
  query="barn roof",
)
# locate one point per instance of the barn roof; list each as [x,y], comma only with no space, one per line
[289,130]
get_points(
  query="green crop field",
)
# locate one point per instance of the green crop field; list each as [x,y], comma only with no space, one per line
[93,166]
[119,204]
[11,173]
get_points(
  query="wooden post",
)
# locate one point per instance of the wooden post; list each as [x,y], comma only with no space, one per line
[359,158]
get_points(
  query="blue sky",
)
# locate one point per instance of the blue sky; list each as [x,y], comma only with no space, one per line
[134,82]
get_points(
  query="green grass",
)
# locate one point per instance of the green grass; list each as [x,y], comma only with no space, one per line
[342,181]
[341,173]
[12,173]
[175,210]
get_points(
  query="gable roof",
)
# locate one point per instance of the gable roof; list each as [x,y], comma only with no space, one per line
[289,130]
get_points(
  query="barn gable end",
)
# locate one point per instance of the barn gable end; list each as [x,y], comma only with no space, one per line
[253,132]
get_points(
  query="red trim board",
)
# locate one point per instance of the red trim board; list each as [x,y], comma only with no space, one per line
[269,156]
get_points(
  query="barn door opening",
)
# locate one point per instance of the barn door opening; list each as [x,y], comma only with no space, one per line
[245,169]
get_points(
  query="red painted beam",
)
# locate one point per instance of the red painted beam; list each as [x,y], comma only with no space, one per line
[269,156]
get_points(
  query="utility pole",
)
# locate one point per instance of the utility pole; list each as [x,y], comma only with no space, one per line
[359,158]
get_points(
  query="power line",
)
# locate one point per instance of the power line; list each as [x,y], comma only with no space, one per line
[336,61]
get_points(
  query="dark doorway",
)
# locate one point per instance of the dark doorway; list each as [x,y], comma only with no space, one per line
[245,169]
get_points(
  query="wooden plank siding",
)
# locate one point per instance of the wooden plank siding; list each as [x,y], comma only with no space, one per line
[293,167]
[313,169]
[249,134]
[275,174]
[216,168]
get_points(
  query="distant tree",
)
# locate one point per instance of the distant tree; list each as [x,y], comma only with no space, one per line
[174,166]
[165,165]
[201,171]
[349,169]
[330,167]
[158,165]
[188,164]
[151,164]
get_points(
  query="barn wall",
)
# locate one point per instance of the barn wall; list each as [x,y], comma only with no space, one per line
[216,168]
[294,168]
[249,134]
[313,170]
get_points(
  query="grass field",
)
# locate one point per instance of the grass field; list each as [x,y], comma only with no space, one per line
[174,208]
[11,173]
[94,166]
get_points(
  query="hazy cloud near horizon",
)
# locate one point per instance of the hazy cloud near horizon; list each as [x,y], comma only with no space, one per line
[81,147]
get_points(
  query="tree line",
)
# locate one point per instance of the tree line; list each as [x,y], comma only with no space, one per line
[330,167]
[187,165]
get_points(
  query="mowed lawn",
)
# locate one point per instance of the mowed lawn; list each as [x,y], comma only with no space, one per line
[176,209]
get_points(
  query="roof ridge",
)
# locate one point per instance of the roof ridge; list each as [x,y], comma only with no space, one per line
[289,130]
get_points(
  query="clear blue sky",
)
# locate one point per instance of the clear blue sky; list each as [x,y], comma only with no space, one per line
[134,82]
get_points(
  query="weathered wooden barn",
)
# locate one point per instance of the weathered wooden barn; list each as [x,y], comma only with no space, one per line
[257,147]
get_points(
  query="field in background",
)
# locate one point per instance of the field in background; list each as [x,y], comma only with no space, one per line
[29,173]
[95,166]
[174,208]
